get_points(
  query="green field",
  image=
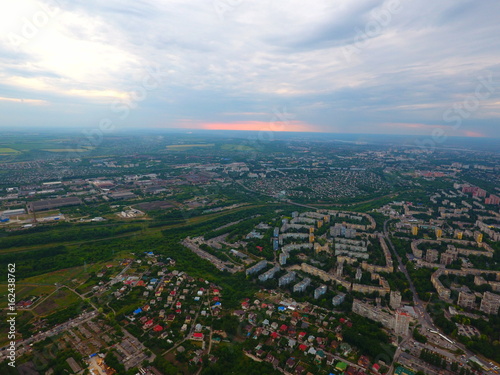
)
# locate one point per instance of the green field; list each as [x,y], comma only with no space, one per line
[7,150]
[187,147]
[45,284]
[30,146]
[60,276]
[67,149]
[50,145]
[24,291]
[235,147]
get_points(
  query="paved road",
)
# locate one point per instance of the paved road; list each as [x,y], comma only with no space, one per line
[423,317]
[22,346]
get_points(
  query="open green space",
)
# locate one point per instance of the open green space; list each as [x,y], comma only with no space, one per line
[7,150]
[24,291]
[59,300]
[188,147]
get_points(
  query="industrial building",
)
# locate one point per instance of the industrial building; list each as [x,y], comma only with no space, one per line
[9,213]
[50,204]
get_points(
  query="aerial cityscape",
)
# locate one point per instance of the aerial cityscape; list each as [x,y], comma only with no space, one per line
[236,187]
[198,254]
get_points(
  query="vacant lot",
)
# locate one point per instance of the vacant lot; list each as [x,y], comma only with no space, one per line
[60,299]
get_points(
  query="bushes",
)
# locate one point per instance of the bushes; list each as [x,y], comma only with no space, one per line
[368,337]
[233,361]
[419,337]
[421,278]
[66,314]
[65,234]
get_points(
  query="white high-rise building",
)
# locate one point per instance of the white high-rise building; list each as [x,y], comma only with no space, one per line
[402,323]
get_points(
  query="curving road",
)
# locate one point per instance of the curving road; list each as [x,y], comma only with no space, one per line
[423,317]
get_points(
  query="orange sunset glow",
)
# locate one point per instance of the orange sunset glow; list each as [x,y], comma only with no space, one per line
[277,126]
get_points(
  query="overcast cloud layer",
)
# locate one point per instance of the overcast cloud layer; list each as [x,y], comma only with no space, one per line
[348,66]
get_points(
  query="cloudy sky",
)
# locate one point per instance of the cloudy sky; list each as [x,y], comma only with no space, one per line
[341,66]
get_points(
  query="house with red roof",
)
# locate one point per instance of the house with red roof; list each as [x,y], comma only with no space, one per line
[197,336]
[376,367]
[148,324]
[275,335]
[302,347]
[157,328]
[284,328]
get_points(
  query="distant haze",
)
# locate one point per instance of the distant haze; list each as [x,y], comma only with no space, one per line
[427,68]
